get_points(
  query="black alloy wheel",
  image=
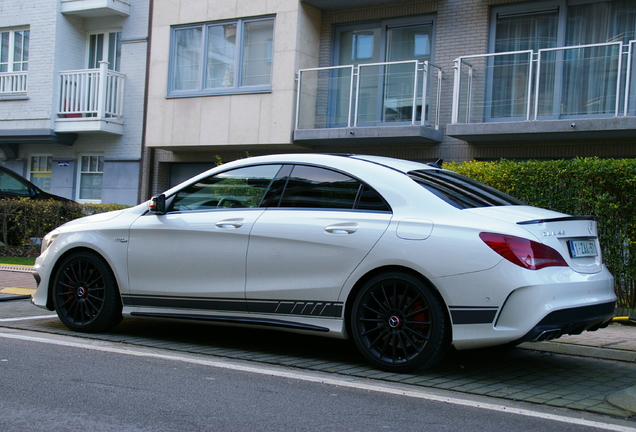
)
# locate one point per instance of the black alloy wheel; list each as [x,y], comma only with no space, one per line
[85,293]
[399,324]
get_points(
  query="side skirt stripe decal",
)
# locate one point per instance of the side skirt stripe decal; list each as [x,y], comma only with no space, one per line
[277,307]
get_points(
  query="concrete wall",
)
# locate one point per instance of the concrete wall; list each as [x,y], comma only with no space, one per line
[230,120]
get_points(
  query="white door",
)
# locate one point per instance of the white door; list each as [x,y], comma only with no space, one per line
[194,256]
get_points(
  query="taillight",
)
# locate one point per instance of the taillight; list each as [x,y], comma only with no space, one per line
[523,252]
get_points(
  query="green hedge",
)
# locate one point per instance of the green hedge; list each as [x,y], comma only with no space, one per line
[22,221]
[604,188]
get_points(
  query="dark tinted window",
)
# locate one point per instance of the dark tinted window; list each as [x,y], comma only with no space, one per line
[239,188]
[461,191]
[12,185]
[315,187]
[369,199]
[304,186]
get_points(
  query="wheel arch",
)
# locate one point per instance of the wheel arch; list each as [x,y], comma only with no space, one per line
[386,269]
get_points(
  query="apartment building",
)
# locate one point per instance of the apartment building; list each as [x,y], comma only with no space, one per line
[423,80]
[72,83]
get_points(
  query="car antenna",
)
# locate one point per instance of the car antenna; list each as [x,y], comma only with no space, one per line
[437,164]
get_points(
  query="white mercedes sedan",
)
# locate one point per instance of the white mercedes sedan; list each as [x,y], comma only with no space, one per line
[407,259]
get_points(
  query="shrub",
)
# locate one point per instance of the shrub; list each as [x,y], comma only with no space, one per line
[24,221]
[604,188]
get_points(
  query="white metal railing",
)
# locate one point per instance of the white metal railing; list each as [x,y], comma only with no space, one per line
[566,82]
[12,83]
[376,94]
[97,93]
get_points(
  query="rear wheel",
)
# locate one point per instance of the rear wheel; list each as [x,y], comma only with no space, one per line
[398,323]
[85,293]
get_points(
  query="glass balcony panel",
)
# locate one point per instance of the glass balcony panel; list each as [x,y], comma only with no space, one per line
[321,89]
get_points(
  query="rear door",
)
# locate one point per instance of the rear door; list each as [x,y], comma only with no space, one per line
[319,225]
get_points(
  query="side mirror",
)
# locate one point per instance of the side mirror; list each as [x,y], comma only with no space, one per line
[157,204]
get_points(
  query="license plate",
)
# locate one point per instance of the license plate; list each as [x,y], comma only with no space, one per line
[582,248]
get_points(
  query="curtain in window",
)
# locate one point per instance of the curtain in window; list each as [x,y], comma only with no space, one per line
[4,52]
[518,32]
[221,55]
[590,74]
[187,59]
[258,38]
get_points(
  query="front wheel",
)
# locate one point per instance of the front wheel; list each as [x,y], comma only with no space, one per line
[398,323]
[85,293]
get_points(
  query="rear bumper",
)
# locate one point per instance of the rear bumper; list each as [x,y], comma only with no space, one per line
[571,321]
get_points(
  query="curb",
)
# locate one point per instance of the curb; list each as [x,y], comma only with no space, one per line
[581,350]
[16,268]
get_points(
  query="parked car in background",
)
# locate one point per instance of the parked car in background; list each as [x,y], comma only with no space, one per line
[13,185]
[407,259]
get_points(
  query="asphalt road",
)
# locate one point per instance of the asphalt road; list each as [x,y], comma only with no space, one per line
[61,383]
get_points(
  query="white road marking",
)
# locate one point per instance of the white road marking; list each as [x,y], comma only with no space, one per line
[28,318]
[351,382]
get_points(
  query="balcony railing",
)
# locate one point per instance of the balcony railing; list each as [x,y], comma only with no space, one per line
[378,94]
[90,100]
[586,81]
[13,83]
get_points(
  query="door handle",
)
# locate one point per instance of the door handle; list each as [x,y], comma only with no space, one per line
[344,228]
[230,223]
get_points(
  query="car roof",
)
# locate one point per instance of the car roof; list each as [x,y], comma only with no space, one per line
[328,160]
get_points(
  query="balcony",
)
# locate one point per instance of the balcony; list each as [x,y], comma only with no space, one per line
[379,103]
[13,85]
[96,8]
[91,100]
[340,4]
[577,92]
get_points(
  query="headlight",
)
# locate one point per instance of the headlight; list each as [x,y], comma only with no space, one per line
[48,240]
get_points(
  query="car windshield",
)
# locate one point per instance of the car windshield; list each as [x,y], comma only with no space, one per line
[460,191]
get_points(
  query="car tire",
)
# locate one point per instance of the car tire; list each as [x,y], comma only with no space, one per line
[399,324]
[85,293]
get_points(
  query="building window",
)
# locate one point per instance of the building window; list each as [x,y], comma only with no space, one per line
[91,174]
[14,50]
[222,58]
[104,47]
[387,88]
[40,171]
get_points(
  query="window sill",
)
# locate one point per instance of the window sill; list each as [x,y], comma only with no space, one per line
[219,92]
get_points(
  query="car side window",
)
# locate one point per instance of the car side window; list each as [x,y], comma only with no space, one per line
[12,185]
[315,187]
[239,188]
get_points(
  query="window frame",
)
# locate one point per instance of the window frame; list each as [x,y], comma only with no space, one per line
[239,58]
[10,63]
[79,178]
[194,190]
[31,178]
[107,49]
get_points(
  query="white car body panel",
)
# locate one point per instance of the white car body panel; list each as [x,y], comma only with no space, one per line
[188,252]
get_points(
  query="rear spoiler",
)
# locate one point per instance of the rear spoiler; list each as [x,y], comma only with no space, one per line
[559,219]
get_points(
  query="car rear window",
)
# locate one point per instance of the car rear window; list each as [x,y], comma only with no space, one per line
[461,192]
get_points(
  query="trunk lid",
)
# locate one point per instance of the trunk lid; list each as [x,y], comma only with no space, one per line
[574,237]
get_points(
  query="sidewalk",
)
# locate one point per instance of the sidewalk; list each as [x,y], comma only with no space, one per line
[616,342]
